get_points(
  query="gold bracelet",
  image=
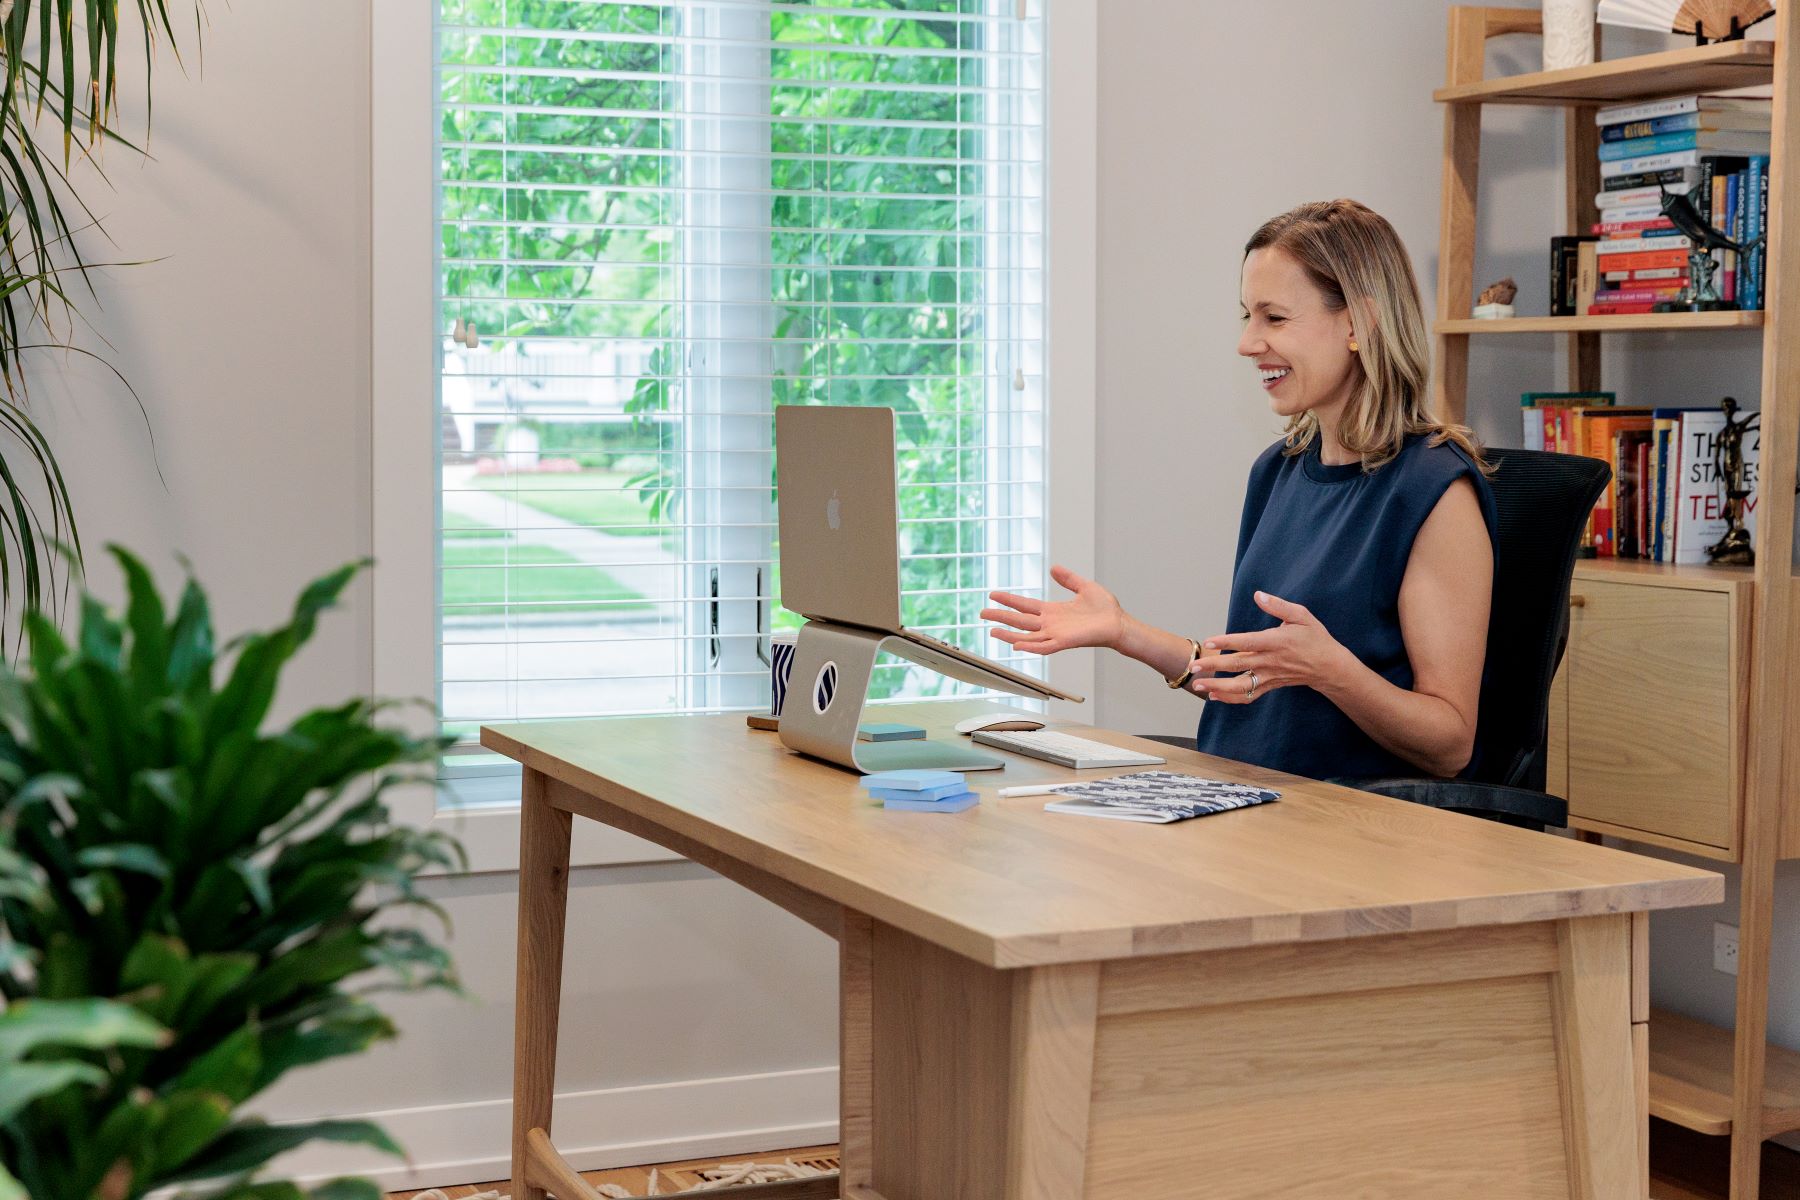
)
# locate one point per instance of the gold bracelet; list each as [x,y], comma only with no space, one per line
[1189,673]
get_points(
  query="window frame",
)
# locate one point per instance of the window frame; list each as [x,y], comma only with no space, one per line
[483,809]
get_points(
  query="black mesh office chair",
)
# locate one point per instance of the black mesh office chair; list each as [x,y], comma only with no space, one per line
[1542,503]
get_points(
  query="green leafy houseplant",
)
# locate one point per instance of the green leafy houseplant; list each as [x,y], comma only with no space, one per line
[190,906]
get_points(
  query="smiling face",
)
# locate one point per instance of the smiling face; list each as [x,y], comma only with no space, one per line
[1301,346]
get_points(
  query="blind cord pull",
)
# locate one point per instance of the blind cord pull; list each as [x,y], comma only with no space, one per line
[713,644]
[761,654]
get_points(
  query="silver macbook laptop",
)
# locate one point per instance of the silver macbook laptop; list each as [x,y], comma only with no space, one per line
[840,538]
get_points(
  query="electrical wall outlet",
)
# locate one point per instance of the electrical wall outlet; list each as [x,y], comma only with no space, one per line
[1725,947]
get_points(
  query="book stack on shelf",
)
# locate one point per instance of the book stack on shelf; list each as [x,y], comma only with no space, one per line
[1665,502]
[1714,147]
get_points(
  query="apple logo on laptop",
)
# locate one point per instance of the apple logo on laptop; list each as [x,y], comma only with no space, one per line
[832,517]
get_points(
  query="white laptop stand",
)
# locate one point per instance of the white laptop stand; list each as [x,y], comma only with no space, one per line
[829,685]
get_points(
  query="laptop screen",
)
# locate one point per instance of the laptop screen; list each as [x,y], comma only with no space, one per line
[834,478]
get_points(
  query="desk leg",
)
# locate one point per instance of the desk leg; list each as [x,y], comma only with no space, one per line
[1054,1013]
[981,1078]
[1591,1009]
[543,908]
[856,1052]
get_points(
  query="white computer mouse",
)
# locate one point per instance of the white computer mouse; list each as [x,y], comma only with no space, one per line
[998,720]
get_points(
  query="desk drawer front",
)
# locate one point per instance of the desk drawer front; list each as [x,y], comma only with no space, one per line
[1650,685]
[1411,1066]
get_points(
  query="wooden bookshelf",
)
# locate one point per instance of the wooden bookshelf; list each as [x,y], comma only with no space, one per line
[1691,1074]
[1611,323]
[1659,627]
[1714,68]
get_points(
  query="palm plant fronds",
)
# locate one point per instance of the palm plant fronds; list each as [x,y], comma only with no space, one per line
[58,82]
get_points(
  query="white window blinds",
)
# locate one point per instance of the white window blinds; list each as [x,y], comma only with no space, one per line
[659,221]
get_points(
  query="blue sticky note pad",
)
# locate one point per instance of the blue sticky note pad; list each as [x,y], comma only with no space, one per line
[955,804]
[923,794]
[888,731]
[912,780]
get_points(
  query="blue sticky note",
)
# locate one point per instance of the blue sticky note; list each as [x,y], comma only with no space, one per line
[955,804]
[912,780]
[922,794]
[888,731]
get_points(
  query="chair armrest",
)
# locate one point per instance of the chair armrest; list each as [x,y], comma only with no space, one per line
[1495,802]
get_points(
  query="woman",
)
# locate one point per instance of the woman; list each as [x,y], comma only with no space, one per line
[1365,560]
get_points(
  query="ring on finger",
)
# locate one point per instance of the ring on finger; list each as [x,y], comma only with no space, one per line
[1251,694]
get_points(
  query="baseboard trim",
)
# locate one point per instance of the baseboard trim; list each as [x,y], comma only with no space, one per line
[450,1144]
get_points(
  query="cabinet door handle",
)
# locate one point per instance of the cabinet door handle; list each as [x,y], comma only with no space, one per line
[1577,600]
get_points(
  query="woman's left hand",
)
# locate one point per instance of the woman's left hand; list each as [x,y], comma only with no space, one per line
[1298,652]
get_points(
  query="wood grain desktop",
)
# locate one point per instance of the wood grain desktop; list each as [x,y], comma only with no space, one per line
[1336,994]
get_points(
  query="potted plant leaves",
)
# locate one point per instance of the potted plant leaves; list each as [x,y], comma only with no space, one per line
[191,905]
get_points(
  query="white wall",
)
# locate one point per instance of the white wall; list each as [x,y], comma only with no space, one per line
[1209,127]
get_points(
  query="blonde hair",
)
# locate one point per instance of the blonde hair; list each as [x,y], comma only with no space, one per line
[1356,260]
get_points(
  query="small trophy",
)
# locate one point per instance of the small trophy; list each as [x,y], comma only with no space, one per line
[1702,291]
[1728,461]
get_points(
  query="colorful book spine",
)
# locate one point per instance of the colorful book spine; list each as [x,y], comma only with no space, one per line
[1659,491]
[1565,253]
[1718,121]
[1738,140]
[1756,224]
[1640,505]
[1634,245]
[1647,260]
[1675,123]
[1544,416]
[1725,193]
[1649,110]
[1635,295]
[1672,275]
[1679,179]
[1672,484]
[1644,197]
[1667,424]
[1649,164]
[1637,226]
[1587,277]
[1600,432]
[1643,147]
[1652,211]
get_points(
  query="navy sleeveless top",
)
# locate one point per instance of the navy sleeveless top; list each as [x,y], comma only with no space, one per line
[1337,540]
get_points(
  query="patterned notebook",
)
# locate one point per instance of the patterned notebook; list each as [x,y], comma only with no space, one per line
[1157,797]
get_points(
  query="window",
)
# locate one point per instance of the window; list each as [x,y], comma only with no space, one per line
[659,221]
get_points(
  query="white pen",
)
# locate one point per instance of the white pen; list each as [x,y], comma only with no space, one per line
[1034,789]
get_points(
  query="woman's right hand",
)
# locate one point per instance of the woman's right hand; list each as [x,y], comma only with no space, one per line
[1092,618]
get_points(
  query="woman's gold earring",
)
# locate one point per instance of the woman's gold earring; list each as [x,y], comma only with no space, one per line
[1353,346]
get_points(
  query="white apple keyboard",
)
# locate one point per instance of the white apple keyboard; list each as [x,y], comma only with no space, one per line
[1065,749]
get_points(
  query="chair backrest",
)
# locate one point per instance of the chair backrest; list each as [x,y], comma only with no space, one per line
[1543,501]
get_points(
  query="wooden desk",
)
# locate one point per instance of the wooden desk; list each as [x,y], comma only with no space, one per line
[1332,996]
